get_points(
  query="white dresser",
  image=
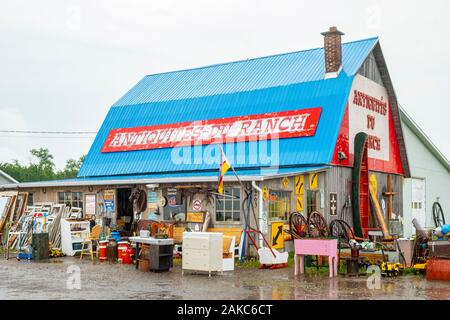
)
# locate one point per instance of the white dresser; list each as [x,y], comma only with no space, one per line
[202,251]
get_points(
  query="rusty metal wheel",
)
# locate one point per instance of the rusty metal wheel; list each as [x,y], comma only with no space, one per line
[438,215]
[317,225]
[298,224]
[341,229]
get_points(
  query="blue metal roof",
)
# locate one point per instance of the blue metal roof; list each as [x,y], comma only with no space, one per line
[269,84]
[245,75]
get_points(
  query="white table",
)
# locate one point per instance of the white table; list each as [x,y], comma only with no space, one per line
[150,240]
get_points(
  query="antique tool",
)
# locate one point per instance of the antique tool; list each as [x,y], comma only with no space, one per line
[390,194]
[438,215]
[378,211]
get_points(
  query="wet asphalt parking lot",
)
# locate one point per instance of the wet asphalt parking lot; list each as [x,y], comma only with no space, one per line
[58,279]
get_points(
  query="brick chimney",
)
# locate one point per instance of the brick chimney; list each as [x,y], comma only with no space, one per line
[333,52]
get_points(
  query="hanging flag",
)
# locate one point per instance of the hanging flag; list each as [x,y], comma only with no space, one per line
[224,167]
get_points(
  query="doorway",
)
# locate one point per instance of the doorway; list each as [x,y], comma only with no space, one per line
[418,202]
[124,210]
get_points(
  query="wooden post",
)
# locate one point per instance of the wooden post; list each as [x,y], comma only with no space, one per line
[390,194]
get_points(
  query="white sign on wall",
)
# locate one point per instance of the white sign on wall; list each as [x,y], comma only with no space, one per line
[90,204]
[368,111]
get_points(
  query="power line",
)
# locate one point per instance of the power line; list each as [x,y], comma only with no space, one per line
[47,132]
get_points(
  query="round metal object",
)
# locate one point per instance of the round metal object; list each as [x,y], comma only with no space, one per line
[298,224]
[341,229]
[438,215]
[317,225]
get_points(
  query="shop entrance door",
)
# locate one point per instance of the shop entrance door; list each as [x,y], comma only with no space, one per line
[418,202]
[124,209]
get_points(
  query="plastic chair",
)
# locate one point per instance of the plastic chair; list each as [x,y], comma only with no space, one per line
[94,237]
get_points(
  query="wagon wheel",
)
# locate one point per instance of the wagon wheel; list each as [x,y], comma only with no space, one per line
[438,215]
[317,226]
[341,229]
[298,225]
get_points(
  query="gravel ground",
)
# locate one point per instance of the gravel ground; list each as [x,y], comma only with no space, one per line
[25,280]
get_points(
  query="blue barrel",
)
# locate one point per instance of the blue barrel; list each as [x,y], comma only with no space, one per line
[115,235]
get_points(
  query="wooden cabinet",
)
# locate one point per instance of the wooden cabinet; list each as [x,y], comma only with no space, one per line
[202,251]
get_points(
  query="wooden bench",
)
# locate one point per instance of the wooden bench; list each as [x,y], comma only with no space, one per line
[230,233]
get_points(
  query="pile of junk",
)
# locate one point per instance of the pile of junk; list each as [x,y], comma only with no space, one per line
[427,252]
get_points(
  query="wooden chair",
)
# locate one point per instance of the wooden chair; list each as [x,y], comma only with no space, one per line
[93,238]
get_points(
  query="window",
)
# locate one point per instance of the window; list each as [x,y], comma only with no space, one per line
[279,205]
[71,199]
[30,200]
[228,206]
[313,201]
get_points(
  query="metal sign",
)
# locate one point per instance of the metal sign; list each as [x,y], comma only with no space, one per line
[108,199]
[299,203]
[333,204]
[277,235]
[195,217]
[313,181]
[265,193]
[275,125]
[299,185]
[197,205]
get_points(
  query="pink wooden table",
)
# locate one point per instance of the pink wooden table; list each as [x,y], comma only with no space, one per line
[316,247]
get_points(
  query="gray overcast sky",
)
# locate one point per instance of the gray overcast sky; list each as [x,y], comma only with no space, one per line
[64,63]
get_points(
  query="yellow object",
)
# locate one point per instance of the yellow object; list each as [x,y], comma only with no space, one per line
[195,217]
[378,211]
[299,203]
[299,185]
[94,237]
[313,181]
[373,182]
[391,268]
[285,182]
[178,234]
[277,235]
[236,232]
[224,167]
[265,193]
[420,266]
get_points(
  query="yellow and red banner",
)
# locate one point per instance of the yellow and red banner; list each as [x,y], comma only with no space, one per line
[224,167]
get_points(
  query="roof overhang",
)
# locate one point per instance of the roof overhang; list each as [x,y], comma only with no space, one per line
[193,177]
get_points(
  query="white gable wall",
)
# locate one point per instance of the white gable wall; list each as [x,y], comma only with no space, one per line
[424,165]
[4,179]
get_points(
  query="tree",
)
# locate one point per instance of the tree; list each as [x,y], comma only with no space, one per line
[44,157]
[71,169]
[43,170]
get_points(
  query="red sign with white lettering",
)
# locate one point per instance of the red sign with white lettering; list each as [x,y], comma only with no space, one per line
[267,126]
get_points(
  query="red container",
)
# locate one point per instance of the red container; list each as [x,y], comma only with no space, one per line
[102,250]
[122,251]
[127,258]
[438,269]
